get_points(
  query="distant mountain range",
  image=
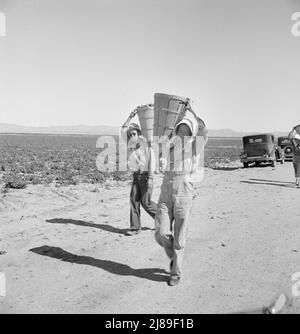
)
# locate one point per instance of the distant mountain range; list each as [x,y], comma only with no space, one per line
[77,129]
[106,130]
[232,133]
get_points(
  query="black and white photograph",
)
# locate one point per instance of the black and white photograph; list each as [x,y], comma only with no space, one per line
[150,159]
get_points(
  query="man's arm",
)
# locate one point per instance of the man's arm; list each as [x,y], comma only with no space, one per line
[151,162]
[124,128]
[202,130]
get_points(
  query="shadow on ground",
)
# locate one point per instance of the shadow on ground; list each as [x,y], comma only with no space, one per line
[152,274]
[104,227]
[272,183]
[229,169]
[259,166]
[224,168]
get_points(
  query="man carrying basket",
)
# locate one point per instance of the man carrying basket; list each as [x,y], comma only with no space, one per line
[142,166]
[177,191]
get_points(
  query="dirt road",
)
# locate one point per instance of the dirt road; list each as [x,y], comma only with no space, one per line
[64,249]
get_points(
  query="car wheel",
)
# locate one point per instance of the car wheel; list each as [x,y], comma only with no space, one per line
[288,150]
[245,164]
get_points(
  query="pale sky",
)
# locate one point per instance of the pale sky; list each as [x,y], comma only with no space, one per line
[69,62]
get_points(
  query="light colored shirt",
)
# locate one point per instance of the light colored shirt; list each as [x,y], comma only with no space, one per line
[187,156]
[140,155]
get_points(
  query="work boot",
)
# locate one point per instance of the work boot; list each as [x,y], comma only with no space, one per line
[174,281]
[132,232]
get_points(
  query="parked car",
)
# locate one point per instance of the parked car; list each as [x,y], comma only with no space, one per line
[259,149]
[286,145]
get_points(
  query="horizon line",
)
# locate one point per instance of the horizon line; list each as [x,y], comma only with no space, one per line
[115,126]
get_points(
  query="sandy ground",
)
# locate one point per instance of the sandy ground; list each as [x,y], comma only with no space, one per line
[63,250]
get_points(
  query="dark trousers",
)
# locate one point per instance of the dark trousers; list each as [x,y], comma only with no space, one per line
[140,194]
[296,163]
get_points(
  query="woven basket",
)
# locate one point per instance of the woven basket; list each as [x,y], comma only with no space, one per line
[146,118]
[168,111]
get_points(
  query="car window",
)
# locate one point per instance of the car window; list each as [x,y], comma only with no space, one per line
[285,141]
[254,140]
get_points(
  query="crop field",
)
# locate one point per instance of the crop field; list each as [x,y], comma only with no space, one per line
[222,150]
[71,159]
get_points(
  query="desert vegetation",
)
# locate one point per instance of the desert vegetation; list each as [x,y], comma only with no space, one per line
[71,159]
